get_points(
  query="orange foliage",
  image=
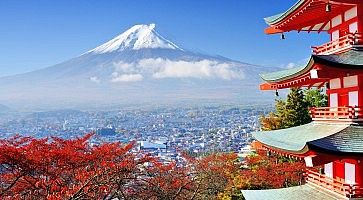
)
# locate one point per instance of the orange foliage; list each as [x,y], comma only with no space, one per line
[64,169]
[266,172]
[54,168]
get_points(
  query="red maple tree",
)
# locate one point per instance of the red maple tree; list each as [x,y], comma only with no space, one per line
[65,169]
[55,168]
[267,172]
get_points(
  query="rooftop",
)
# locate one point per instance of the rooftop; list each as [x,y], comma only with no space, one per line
[304,192]
[349,59]
[307,15]
[296,139]
[277,18]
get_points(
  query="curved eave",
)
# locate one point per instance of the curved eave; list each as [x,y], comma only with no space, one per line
[280,17]
[298,153]
[287,74]
[307,15]
[296,140]
[352,59]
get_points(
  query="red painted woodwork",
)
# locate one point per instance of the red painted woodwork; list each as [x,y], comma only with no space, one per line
[312,17]
[309,14]
[343,90]
[344,112]
[343,99]
[359,172]
[325,73]
[336,185]
[344,43]
[339,170]
[360,17]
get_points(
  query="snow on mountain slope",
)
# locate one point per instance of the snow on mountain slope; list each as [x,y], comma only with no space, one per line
[137,37]
[137,66]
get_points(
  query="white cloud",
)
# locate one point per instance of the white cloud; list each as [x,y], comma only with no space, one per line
[290,66]
[163,68]
[124,67]
[95,79]
[116,78]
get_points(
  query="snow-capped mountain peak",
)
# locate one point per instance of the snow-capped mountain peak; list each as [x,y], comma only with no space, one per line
[137,37]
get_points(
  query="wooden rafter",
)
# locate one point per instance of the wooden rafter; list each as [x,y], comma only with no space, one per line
[310,14]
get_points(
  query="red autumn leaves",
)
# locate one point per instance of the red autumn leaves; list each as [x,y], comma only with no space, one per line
[73,169]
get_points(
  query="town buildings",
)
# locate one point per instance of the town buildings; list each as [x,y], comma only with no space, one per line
[164,132]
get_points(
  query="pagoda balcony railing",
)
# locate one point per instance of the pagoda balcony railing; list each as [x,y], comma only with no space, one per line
[345,113]
[335,185]
[343,43]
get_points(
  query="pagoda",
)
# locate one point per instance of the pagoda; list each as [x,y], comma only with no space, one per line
[333,141]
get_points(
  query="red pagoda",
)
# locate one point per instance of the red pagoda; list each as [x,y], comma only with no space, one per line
[334,140]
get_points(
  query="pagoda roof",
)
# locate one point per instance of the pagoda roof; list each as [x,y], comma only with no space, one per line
[350,59]
[303,192]
[347,141]
[307,15]
[279,17]
[295,140]
[286,74]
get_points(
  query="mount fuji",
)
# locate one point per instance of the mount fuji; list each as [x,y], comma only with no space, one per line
[138,66]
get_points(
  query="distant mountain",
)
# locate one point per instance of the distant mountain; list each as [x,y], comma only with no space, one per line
[4,109]
[137,67]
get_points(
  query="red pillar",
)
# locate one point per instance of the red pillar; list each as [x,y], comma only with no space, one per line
[359,172]
[360,90]
[339,170]
[360,18]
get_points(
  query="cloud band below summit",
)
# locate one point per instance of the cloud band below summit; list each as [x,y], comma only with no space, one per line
[164,68]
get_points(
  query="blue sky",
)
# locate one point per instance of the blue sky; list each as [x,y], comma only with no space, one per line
[38,34]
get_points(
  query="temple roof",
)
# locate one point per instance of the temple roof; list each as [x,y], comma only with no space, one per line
[307,15]
[304,192]
[349,140]
[284,74]
[296,139]
[323,137]
[349,59]
[352,58]
[277,18]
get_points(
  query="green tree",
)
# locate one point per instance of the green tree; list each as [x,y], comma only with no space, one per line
[296,109]
[293,111]
[316,98]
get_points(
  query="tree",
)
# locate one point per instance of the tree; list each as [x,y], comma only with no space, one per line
[165,181]
[296,109]
[198,178]
[54,168]
[65,169]
[268,172]
[316,98]
[215,173]
[260,171]
[274,120]
[293,111]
